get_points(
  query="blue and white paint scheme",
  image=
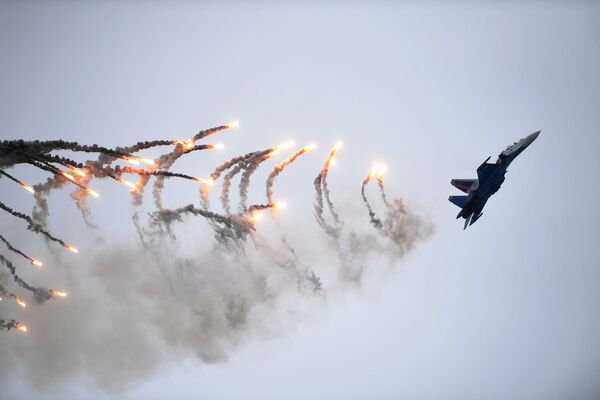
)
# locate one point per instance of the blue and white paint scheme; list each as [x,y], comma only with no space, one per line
[489,179]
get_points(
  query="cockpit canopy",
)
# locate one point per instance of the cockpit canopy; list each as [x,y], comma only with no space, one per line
[512,148]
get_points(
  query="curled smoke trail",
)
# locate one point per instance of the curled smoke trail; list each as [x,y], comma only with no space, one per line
[204,202]
[379,180]
[376,222]
[280,167]
[252,166]
[400,225]
[204,297]
[226,185]
[321,188]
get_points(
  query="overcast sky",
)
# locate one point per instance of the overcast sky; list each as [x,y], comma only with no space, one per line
[505,309]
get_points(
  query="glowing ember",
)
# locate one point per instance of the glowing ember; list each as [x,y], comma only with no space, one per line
[27,187]
[286,145]
[147,161]
[255,216]
[204,181]
[67,175]
[93,193]
[131,160]
[35,262]
[278,205]
[124,182]
[71,248]
[76,170]
[20,301]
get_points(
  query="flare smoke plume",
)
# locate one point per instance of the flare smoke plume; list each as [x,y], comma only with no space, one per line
[174,294]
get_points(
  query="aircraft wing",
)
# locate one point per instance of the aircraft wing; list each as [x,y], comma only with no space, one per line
[486,170]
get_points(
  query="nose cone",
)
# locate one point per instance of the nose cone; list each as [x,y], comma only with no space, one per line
[534,135]
[529,139]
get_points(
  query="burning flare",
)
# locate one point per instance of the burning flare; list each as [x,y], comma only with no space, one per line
[255,216]
[27,187]
[131,160]
[67,175]
[76,170]
[71,248]
[278,205]
[233,124]
[20,327]
[22,184]
[35,262]
[56,293]
[20,301]
[93,193]
[205,181]
[124,182]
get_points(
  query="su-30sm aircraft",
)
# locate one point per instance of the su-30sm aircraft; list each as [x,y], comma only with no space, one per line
[489,179]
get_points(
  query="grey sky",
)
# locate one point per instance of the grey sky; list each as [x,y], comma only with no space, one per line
[506,309]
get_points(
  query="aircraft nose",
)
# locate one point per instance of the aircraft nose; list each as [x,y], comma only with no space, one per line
[532,137]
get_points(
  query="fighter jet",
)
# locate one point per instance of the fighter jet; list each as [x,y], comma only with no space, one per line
[489,179]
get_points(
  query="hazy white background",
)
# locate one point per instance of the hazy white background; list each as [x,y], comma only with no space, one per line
[506,309]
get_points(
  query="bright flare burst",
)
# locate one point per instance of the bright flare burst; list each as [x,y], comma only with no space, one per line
[147,161]
[286,145]
[282,146]
[131,160]
[204,181]
[218,146]
[56,293]
[75,170]
[71,248]
[381,171]
[27,187]
[124,182]
[67,175]
[20,301]
[93,193]
[278,205]
[233,124]
[35,262]
[255,216]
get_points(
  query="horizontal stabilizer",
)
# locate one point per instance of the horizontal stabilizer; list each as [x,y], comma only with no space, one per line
[460,201]
[464,184]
